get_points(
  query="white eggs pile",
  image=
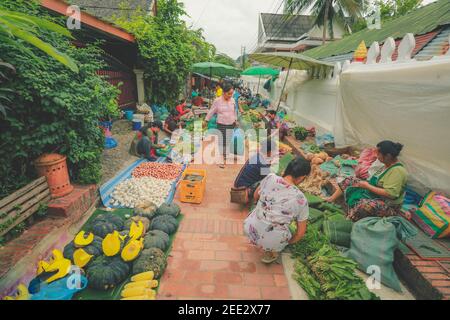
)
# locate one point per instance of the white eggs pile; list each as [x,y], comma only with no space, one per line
[132,192]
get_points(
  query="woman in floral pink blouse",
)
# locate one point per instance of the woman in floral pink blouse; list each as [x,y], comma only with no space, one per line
[280,203]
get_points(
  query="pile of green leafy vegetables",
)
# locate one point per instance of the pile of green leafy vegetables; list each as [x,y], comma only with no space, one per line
[320,269]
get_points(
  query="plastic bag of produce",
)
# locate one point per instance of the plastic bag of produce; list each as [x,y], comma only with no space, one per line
[373,242]
[324,139]
[212,124]
[238,145]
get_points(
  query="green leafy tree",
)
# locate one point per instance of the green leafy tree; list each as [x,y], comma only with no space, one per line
[55,109]
[389,9]
[203,50]
[16,25]
[20,30]
[167,49]
[224,59]
[327,11]
[395,8]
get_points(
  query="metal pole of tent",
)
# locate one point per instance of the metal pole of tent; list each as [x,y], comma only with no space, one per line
[259,82]
[285,82]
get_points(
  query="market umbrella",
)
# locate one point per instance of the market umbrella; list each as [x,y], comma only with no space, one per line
[260,71]
[289,60]
[215,69]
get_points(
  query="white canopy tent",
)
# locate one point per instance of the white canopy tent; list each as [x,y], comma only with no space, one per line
[407,102]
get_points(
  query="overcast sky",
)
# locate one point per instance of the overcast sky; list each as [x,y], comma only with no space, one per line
[230,24]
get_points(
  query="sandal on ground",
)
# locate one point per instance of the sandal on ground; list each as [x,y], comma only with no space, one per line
[269,257]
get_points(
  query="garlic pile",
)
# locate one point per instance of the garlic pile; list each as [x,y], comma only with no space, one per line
[132,192]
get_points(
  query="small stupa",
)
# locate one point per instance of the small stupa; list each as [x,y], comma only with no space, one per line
[361,52]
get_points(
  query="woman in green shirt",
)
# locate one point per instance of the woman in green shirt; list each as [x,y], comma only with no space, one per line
[383,194]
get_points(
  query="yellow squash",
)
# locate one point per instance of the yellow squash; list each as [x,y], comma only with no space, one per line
[149,275]
[81,258]
[21,293]
[149,284]
[57,264]
[136,292]
[83,240]
[144,297]
[111,244]
[137,230]
[56,255]
[42,265]
[132,250]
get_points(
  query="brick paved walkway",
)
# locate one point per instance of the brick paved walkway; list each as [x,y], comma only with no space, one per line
[211,257]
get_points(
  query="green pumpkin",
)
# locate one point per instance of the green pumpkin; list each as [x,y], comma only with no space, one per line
[169,209]
[157,239]
[105,273]
[95,248]
[104,224]
[165,223]
[152,259]
[146,209]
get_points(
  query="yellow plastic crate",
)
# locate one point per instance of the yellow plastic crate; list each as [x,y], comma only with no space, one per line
[192,191]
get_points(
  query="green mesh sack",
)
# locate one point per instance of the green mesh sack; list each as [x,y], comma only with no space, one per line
[373,243]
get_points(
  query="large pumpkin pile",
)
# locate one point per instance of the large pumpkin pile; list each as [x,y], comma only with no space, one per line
[112,249]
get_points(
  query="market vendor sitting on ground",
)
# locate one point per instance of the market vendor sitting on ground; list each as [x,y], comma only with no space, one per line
[198,100]
[171,124]
[255,169]
[383,195]
[148,144]
[280,205]
[273,124]
[184,113]
[194,93]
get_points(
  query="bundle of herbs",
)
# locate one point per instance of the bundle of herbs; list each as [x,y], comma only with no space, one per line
[324,273]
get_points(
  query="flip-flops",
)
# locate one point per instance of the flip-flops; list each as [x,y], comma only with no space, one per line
[269,257]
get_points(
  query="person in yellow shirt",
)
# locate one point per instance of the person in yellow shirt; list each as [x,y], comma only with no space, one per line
[219,91]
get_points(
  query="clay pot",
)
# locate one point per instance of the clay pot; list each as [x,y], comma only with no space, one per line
[54,167]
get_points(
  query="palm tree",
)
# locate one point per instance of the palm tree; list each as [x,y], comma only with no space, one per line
[16,25]
[327,11]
